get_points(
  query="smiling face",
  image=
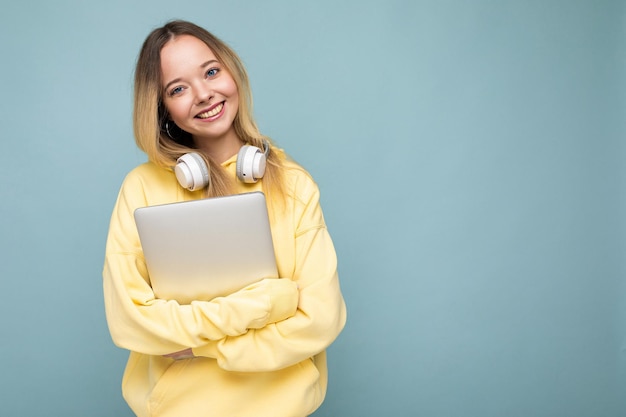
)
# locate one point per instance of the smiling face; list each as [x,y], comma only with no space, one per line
[200,95]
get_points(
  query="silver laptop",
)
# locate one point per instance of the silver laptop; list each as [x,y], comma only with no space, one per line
[202,249]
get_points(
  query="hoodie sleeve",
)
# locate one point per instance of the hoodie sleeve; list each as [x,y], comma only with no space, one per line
[321,312]
[142,323]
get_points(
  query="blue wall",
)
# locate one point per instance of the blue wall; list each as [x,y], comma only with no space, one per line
[470,156]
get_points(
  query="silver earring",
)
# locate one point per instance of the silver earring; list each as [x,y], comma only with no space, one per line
[167,130]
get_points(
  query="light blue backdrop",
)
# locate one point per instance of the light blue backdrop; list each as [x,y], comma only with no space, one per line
[470,156]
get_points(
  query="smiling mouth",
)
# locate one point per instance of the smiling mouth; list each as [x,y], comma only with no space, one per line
[215,110]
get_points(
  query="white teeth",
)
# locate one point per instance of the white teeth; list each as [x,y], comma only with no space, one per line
[211,113]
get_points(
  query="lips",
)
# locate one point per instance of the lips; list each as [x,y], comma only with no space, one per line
[212,112]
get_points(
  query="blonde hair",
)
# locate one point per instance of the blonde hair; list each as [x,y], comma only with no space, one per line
[150,115]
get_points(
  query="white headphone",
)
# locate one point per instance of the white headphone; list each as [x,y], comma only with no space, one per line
[193,174]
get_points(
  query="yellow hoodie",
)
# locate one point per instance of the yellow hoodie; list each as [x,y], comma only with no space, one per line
[258,352]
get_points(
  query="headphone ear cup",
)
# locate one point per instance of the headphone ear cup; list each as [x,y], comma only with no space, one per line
[192,172]
[250,165]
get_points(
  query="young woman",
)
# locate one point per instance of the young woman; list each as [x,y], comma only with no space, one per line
[261,350]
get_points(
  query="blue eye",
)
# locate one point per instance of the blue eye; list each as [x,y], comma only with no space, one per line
[176,90]
[212,72]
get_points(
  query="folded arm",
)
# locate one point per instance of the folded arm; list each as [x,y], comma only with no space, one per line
[321,312]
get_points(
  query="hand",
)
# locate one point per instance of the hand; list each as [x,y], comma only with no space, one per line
[283,296]
[183,354]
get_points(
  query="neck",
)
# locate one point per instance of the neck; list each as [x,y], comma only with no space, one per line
[219,149]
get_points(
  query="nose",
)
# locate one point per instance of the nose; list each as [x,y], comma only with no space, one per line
[204,92]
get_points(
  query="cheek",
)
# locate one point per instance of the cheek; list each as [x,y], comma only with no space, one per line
[230,88]
[234,90]
[234,98]
[175,110]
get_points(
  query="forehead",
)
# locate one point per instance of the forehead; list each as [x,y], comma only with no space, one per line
[183,53]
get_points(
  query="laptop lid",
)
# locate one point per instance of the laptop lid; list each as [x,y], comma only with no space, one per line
[202,249]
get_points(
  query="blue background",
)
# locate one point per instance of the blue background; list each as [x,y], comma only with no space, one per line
[470,156]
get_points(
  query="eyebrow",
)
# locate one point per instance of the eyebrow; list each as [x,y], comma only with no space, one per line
[204,65]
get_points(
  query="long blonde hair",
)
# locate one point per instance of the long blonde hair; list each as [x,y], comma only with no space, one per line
[150,115]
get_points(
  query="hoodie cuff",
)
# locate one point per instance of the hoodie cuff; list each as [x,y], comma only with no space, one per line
[207,351]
